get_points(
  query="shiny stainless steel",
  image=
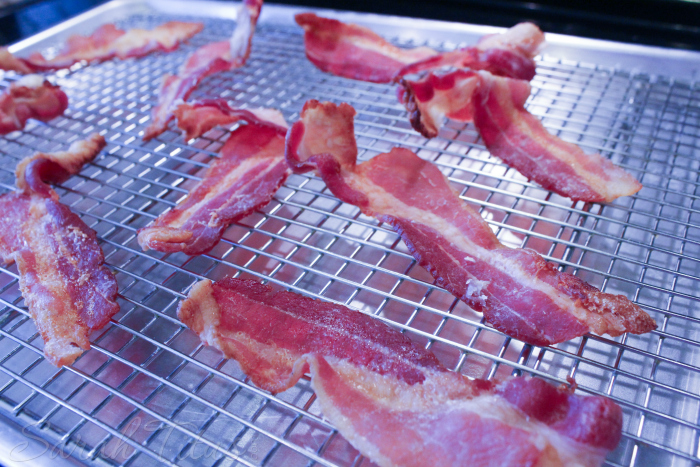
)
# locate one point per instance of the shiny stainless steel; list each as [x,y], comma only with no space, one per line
[149,391]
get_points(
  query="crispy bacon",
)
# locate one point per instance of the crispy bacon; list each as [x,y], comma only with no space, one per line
[206,60]
[437,95]
[510,132]
[35,172]
[30,97]
[518,291]
[391,398]
[245,178]
[242,38]
[11,63]
[105,43]
[508,54]
[352,51]
[333,132]
[65,284]
[199,117]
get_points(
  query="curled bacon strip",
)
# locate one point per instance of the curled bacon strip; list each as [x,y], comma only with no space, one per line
[66,286]
[206,60]
[35,172]
[518,291]
[11,63]
[199,117]
[105,43]
[508,54]
[242,38]
[391,398]
[334,133]
[511,133]
[436,96]
[30,97]
[246,177]
[352,51]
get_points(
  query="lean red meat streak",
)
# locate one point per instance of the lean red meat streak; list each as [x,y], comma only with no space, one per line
[519,292]
[391,398]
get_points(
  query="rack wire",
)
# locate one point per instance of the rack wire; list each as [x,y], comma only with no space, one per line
[149,391]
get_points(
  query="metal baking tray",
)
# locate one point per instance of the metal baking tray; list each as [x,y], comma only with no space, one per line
[148,391]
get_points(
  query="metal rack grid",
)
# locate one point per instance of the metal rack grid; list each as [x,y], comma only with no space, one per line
[148,390]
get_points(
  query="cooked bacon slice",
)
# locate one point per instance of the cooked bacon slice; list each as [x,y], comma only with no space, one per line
[242,38]
[30,97]
[391,398]
[68,290]
[510,132]
[435,96]
[524,38]
[518,291]
[224,312]
[11,63]
[352,51]
[66,286]
[508,54]
[334,133]
[33,173]
[105,43]
[197,118]
[245,178]
[206,60]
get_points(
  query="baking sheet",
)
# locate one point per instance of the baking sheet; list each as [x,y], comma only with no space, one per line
[149,391]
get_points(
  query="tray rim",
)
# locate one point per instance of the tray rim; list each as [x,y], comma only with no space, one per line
[679,64]
[674,63]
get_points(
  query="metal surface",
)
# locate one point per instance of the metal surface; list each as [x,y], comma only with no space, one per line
[149,391]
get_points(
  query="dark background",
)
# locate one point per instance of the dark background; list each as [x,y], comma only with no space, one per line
[669,23]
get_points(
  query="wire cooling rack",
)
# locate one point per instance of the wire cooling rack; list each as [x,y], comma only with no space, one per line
[149,391]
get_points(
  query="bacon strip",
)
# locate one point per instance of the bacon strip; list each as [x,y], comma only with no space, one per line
[511,133]
[352,51]
[66,286]
[333,133]
[199,117]
[435,96]
[246,177]
[11,63]
[206,60]
[33,173]
[242,38]
[518,291]
[508,54]
[106,43]
[30,97]
[391,398]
